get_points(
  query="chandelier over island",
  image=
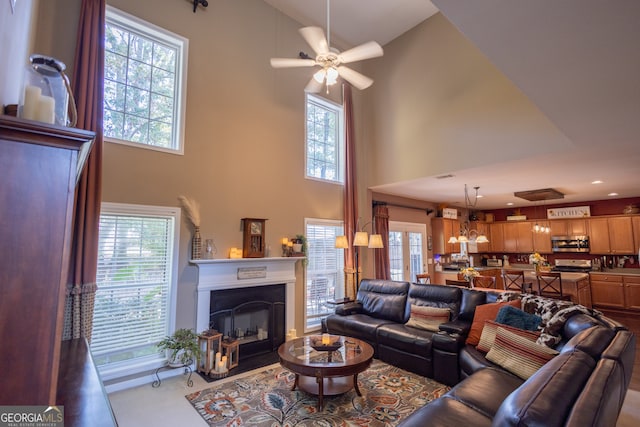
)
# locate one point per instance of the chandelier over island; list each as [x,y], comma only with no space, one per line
[466,235]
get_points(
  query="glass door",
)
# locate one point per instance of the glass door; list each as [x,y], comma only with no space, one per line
[406,250]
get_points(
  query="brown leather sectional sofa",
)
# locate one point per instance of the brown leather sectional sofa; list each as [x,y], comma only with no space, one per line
[584,385]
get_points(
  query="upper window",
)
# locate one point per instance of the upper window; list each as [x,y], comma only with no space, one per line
[144,83]
[325,140]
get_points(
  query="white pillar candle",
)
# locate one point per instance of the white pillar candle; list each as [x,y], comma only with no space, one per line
[46,112]
[224,361]
[216,366]
[31,101]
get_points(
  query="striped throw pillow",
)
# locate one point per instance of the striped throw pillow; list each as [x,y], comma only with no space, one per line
[489,334]
[517,354]
[428,318]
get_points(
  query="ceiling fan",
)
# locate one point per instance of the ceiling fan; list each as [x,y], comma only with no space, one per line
[330,60]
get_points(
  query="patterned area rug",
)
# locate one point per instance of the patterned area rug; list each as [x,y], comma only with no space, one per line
[389,395]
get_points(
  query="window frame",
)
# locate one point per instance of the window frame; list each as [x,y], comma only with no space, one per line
[405,228]
[340,149]
[149,30]
[339,256]
[119,370]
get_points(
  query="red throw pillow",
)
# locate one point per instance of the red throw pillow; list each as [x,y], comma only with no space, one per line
[486,312]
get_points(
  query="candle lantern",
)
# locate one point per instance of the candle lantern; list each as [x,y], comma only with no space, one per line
[232,352]
[210,343]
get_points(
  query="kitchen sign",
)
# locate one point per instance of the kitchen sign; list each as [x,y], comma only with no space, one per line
[573,212]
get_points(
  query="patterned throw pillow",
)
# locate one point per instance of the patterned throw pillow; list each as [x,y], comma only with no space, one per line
[485,312]
[518,319]
[518,355]
[428,318]
[489,334]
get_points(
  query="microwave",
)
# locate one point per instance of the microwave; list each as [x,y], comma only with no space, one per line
[570,244]
[494,262]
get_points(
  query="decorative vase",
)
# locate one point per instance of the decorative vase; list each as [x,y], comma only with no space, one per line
[537,267]
[196,244]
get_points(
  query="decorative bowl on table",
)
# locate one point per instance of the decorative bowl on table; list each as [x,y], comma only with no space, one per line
[318,344]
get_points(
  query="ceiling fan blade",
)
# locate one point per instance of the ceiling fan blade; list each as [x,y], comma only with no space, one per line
[291,62]
[360,81]
[314,36]
[363,51]
[313,86]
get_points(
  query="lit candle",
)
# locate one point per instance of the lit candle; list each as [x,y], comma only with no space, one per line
[46,111]
[31,101]
[224,361]
[285,240]
[325,339]
[289,244]
[217,363]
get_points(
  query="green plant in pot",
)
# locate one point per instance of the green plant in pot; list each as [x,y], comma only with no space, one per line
[183,347]
[302,240]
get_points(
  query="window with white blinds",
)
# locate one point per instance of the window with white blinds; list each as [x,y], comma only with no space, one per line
[135,278]
[325,270]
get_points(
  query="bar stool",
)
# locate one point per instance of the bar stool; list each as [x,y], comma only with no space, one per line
[484,282]
[550,285]
[514,281]
[423,278]
[457,283]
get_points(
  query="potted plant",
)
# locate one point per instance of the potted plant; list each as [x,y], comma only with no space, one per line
[301,240]
[183,345]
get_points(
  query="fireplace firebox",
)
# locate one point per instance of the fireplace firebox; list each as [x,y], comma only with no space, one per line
[254,316]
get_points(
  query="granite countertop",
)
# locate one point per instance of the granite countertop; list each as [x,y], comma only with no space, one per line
[620,271]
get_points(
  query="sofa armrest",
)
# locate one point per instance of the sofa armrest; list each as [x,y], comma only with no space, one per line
[459,327]
[349,308]
[446,366]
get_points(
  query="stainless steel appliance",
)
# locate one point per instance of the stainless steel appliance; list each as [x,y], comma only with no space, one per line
[494,263]
[572,265]
[570,244]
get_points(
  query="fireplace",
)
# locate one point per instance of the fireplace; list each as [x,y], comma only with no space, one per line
[254,316]
[221,278]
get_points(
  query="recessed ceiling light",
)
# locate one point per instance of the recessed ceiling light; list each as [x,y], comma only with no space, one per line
[510,204]
[612,194]
[596,182]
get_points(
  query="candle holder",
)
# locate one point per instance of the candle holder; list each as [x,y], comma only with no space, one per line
[210,343]
[231,349]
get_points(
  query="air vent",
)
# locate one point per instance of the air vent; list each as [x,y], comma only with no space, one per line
[444,176]
[537,195]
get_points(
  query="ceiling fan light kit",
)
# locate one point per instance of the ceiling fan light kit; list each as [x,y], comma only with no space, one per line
[330,60]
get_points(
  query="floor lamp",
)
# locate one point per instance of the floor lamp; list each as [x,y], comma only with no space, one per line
[360,239]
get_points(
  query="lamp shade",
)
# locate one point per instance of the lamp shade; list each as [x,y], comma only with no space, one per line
[361,239]
[462,238]
[482,239]
[342,242]
[452,239]
[375,241]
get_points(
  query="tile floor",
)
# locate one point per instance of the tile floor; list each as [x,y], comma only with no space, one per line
[166,405]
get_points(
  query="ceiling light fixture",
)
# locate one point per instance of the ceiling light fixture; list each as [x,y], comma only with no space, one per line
[466,235]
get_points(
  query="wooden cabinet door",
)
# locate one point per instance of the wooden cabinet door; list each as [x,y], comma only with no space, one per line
[442,229]
[510,237]
[621,235]
[577,227]
[607,290]
[482,228]
[635,222]
[524,242]
[496,237]
[584,293]
[558,227]
[632,292]
[542,241]
[599,236]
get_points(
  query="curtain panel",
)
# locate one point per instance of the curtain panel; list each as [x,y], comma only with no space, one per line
[350,195]
[88,74]
[381,255]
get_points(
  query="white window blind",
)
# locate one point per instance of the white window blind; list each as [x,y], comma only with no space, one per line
[325,270]
[134,278]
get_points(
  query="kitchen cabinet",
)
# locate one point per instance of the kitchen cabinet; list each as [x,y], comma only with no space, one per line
[611,235]
[443,229]
[510,237]
[584,293]
[632,292]
[496,237]
[542,241]
[607,290]
[568,227]
[518,237]
[635,223]
[482,228]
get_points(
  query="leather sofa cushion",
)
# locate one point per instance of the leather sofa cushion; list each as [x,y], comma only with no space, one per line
[471,360]
[384,299]
[446,412]
[592,341]
[360,326]
[622,350]
[470,300]
[406,338]
[486,390]
[436,296]
[547,397]
[601,400]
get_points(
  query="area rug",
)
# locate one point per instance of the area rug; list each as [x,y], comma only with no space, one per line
[389,395]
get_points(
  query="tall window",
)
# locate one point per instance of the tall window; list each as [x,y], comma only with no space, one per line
[325,140]
[406,249]
[144,83]
[136,283]
[325,270]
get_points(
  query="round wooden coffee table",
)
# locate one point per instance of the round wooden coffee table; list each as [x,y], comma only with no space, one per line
[324,373]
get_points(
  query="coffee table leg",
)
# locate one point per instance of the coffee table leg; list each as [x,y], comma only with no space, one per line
[320,382]
[355,384]
[295,383]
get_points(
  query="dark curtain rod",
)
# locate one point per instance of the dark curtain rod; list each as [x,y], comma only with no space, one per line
[426,210]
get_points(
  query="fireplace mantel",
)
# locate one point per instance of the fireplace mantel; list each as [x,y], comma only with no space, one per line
[217,274]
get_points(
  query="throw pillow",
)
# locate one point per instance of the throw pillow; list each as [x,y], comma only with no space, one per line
[518,355]
[485,312]
[489,334]
[428,318]
[518,319]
